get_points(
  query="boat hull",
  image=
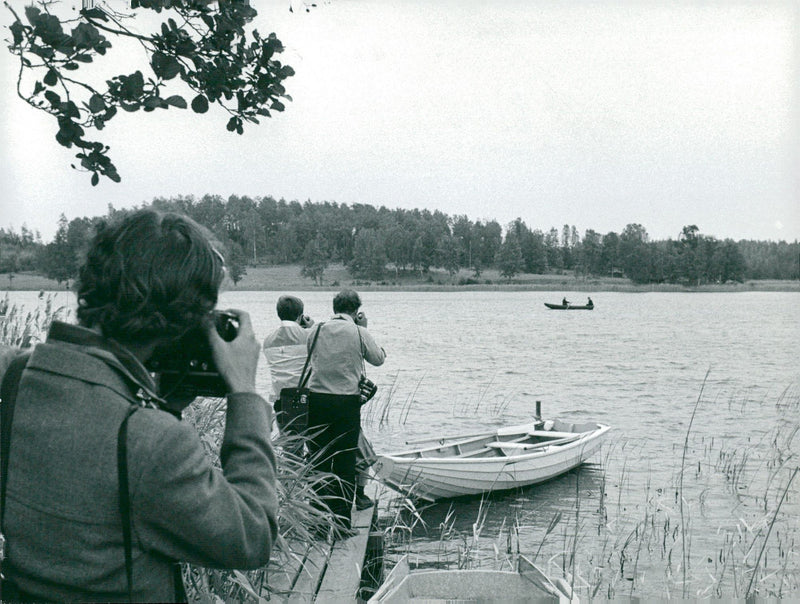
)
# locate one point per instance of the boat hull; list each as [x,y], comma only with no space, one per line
[568,307]
[503,467]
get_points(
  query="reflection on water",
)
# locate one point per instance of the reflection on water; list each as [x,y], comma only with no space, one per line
[525,505]
[656,514]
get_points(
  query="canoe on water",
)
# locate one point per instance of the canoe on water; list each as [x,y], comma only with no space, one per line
[506,458]
[528,584]
[569,306]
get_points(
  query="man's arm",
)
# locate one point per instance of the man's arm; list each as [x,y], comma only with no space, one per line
[373,354]
[188,510]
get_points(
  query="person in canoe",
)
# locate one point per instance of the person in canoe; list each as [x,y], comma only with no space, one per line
[589,302]
[565,302]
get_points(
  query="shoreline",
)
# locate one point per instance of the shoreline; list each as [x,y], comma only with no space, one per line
[286,278]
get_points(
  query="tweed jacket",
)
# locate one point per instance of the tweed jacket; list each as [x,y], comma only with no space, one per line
[62,520]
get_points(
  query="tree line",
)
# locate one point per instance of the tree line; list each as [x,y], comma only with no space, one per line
[378,243]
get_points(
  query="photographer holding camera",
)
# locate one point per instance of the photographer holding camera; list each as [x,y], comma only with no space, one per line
[106,489]
[334,404]
[285,351]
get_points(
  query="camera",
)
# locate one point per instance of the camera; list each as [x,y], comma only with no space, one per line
[305,321]
[185,367]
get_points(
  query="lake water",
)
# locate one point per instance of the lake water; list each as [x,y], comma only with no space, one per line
[626,523]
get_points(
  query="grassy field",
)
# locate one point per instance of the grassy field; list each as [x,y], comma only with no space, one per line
[287,278]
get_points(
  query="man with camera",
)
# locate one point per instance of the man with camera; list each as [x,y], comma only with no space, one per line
[106,490]
[285,350]
[334,403]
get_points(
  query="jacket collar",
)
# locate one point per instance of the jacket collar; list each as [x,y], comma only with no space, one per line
[113,354]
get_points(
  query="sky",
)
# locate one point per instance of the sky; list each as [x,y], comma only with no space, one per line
[594,114]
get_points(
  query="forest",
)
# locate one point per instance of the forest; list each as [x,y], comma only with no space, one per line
[376,243]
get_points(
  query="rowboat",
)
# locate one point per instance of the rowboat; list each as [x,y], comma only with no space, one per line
[527,584]
[569,306]
[507,458]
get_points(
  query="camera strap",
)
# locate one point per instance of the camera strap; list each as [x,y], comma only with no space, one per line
[124,496]
[304,377]
[362,351]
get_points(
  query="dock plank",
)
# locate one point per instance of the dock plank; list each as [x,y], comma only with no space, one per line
[308,580]
[342,577]
[282,572]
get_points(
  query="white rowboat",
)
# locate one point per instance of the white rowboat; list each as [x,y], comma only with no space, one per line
[507,458]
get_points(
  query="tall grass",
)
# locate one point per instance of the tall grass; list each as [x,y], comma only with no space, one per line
[21,329]
[301,516]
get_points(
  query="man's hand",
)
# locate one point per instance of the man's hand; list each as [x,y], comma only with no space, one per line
[360,319]
[236,360]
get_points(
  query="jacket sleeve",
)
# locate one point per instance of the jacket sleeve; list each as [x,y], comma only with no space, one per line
[373,354]
[188,510]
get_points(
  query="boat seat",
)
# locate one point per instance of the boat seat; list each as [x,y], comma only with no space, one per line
[516,448]
[552,434]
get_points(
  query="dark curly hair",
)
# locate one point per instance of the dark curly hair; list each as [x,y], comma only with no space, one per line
[346,301]
[150,275]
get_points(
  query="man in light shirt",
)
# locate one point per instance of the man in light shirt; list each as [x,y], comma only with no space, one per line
[334,404]
[285,348]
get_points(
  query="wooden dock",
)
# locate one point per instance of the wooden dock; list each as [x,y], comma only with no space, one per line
[324,572]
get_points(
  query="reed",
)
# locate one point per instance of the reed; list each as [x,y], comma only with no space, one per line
[301,514]
[20,328]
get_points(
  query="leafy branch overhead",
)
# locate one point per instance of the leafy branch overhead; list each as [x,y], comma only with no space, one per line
[205,46]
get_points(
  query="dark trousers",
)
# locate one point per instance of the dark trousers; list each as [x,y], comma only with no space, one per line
[334,448]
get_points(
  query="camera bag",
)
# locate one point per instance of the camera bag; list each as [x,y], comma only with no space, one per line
[291,409]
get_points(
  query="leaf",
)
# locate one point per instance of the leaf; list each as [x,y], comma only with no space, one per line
[177,101]
[16,30]
[51,77]
[32,13]
[69,109]
[68,132]
[131,86]
[200,104]
[96,103]
[95,13]
[151,102]
[165,66]
[232,124]
[51,96]
[95,179]
[37,88]
[71,66]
